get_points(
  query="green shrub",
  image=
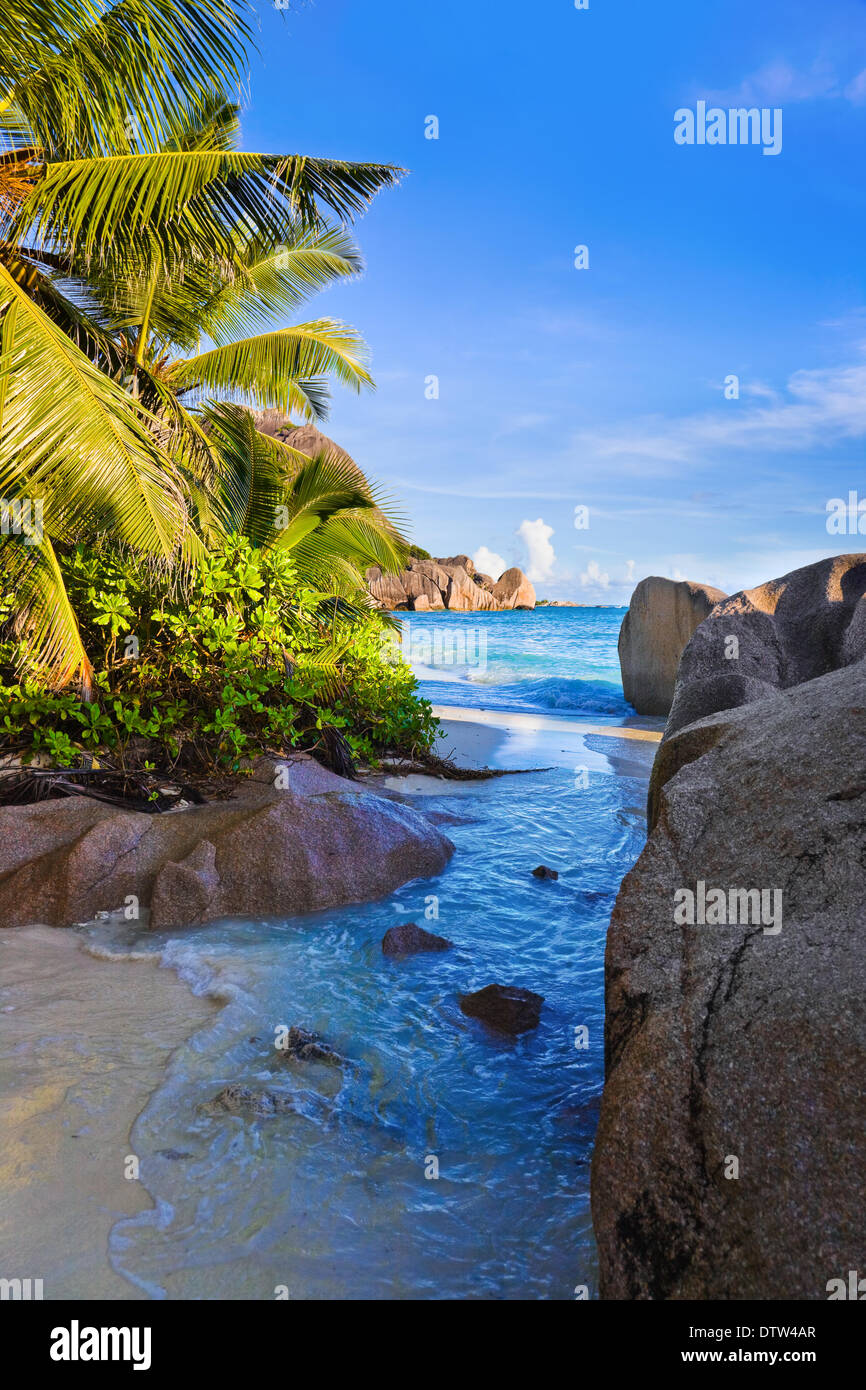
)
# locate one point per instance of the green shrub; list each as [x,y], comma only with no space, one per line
[199,674]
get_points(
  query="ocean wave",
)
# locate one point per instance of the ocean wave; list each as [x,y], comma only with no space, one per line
[546,693]
[600,697]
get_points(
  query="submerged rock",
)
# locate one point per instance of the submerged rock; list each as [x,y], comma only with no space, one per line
[304,1046]
[661,618]
[244,1100]
[729,1157]
[408,939]
[544,872]
[506,1008]
[313,841]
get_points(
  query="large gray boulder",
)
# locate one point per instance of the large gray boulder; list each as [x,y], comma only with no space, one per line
[661,618]
[290,841]
[730,1151]
[757,643]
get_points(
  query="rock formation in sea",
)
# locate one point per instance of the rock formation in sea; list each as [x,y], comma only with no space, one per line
[296,842]
[302,1045]
[426,586]
[729,1157]
[661,618]
[504,1008]
[408,939]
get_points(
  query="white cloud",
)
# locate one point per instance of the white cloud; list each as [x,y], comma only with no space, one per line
[536,537]
[593,577]
[488,562]
[629,571]
[758,389]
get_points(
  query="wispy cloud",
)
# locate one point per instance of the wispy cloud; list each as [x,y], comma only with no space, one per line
[516,424]
[779,83]
[486,494]
[818,408]
[856,89]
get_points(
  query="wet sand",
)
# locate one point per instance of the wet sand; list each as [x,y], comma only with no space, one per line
[83,1043]
[496,738]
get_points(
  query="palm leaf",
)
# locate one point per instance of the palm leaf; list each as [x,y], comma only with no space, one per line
[261,370]
[250,485]
[44,614]
[267,279]
[89,77]
[183,201]
[75,437]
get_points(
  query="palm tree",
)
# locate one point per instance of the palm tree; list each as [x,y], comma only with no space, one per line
[317,506]
[94,156]
[148,316]
[153,318]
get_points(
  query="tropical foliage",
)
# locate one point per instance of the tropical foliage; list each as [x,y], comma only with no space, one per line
[246,659]
[147,267]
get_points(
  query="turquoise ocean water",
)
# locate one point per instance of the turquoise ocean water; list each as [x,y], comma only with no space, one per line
[336,1200]
[549,660]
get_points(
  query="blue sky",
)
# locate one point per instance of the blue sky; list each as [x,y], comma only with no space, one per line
[604,387]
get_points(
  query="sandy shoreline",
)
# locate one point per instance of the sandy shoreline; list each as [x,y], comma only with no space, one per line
[499,738]
[83,1044]
[84,1041]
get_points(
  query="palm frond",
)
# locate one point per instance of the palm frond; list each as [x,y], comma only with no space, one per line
[44,614]
[91,77]
[75,436]
[67,304]
[249,489]
[261,369]
[266,280]
[189,201]
[322,509]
